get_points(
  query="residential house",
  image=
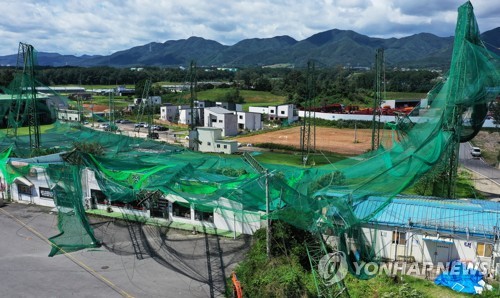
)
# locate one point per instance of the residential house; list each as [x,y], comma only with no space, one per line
[286,113]
[249,121]
[221,118]
[210,140]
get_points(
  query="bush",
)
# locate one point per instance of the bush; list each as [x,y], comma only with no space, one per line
[286,273]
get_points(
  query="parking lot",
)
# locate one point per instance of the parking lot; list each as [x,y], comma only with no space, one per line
[132,129]
[134,261]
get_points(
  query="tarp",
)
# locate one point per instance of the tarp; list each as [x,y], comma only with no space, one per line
[460,279]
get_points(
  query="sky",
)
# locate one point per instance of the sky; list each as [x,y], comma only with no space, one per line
[102,27]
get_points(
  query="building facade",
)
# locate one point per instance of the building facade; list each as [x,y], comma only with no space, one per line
[221,118]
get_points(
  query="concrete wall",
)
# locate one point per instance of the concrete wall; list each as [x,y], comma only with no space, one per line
[169,113]
[285,112]
[228,122]
[425,246]
[208,138]
[250,121]
[38,179]
[68,115]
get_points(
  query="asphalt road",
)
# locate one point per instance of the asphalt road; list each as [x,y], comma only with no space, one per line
[477,164]
[148,262]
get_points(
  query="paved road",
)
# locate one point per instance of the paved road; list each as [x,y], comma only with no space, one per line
[148,262]
[477,164]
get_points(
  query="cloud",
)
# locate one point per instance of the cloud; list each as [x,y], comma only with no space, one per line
[106,26]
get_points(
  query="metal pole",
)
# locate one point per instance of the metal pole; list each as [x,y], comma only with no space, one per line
[268,234]
[355,132]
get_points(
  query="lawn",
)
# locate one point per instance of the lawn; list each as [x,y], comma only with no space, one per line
[295,158]
[23,131]
[251,97]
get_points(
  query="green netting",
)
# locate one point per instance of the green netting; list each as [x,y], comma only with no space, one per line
[315,198]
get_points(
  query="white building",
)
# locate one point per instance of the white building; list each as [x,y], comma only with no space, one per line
[249,121]
[169,113]
[210,140]
[285,112]
[68,115]
[34,188]
[152,100]
[185,116]
[431,230]
[221,118]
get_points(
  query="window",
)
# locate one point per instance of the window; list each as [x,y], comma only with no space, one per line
[282,112]
[484,249]
[220,121]
[218,145]
[24,189]
[181,210]
[204,215]
[225,146]
[399,238]
[45,193]
[271,111]
[241,116]
[98,196]
[209,143]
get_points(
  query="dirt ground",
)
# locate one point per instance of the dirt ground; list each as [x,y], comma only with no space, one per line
[342,140]
[327,139]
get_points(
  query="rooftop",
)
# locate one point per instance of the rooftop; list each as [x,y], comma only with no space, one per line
[465,216]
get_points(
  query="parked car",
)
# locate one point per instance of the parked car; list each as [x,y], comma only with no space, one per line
[159,128]
[141,124]
[475,152]
[104,125]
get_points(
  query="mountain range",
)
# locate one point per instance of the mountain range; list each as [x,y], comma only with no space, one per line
[328,48]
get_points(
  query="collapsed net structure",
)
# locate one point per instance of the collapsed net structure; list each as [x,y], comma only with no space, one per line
[317,199]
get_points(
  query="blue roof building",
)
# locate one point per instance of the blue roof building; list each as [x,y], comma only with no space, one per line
[468,217]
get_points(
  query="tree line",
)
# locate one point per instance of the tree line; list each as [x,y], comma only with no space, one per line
[328,84]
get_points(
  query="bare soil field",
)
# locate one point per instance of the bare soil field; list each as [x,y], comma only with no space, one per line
[327,139]
[341,140]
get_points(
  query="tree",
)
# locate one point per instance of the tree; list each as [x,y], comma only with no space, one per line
[495,112]
[233,95]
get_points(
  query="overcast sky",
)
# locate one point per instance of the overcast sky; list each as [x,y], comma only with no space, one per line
[105,26]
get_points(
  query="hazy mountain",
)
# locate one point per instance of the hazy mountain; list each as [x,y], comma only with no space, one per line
[328,48]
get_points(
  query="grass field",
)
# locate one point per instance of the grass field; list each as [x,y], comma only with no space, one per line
[252,98]
[295,158]
[23,131]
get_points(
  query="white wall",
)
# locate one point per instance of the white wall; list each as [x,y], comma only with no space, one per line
[68,115]
[260,110]
[228,122]
[250,121]
[208,138]
[39,179]
[169,113]
[425,249]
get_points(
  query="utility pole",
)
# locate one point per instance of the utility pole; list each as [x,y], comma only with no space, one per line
[379,81]
[268,231]
[305,134]
[193,133]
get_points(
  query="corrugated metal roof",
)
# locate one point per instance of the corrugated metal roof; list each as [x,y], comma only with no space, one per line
[456,216]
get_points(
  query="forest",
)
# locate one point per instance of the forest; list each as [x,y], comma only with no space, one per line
[337,84]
